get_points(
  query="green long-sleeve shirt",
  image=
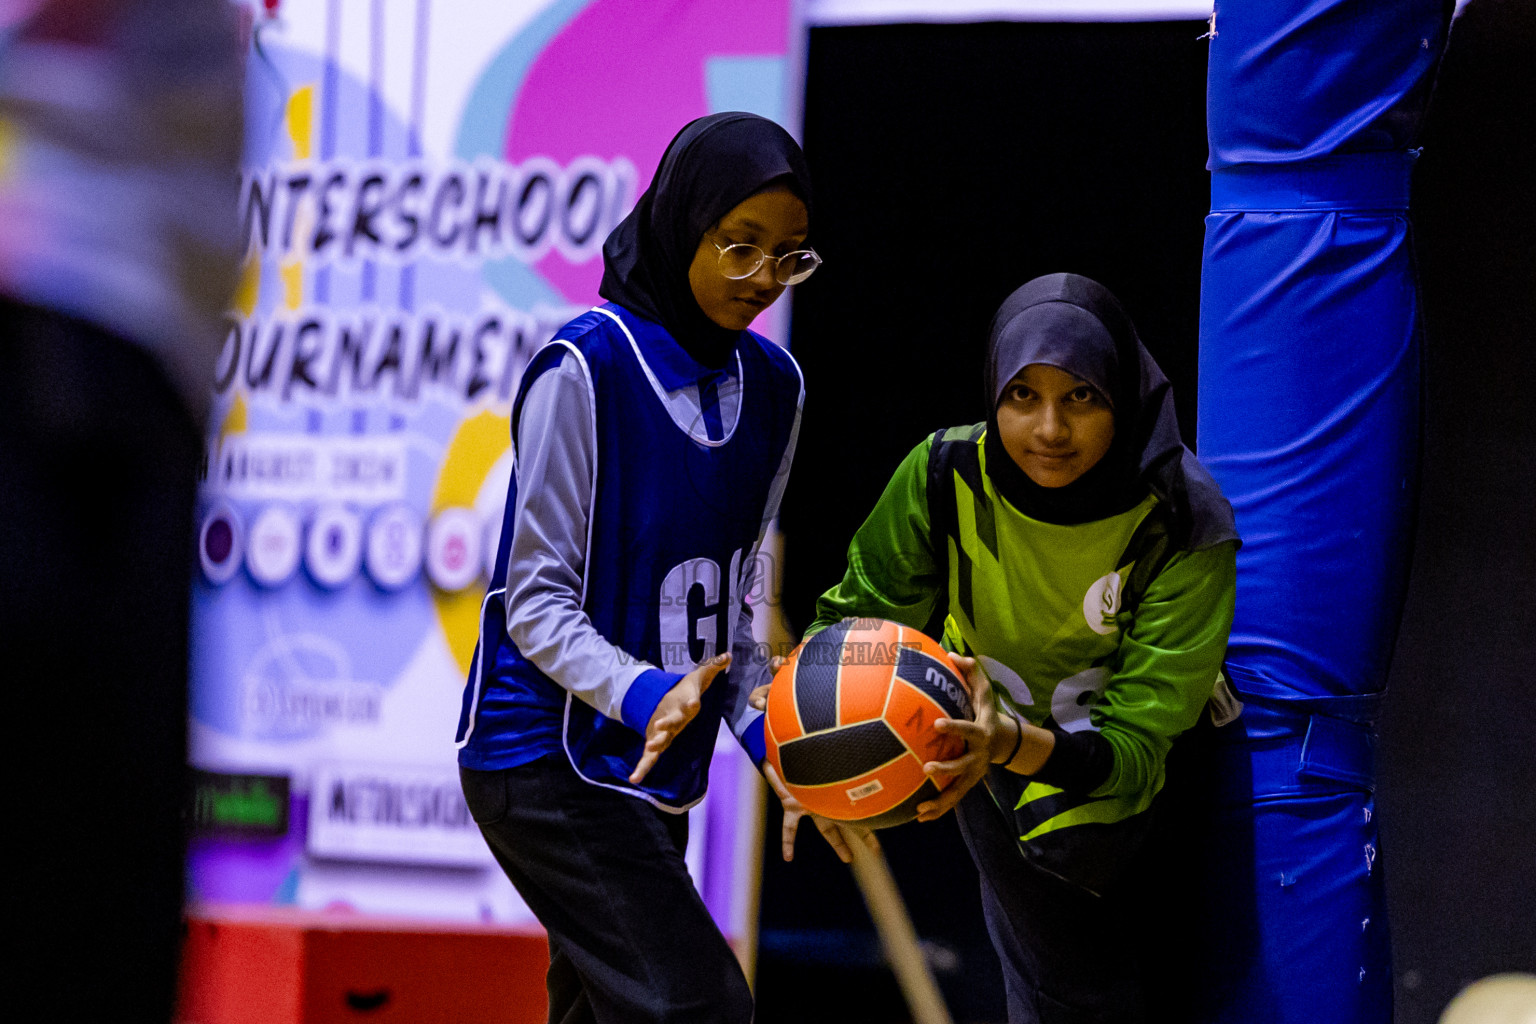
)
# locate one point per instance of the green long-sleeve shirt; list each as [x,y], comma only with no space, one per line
[1039,605]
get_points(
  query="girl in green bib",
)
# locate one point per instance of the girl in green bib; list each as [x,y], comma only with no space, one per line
[1081,562]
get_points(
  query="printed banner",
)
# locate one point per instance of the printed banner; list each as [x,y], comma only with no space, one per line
[878,12]
[426,189]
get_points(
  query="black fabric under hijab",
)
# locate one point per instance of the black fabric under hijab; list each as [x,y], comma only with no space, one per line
[1076,325]
[713,164]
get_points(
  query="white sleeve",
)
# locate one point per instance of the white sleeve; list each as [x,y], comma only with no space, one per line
[555,462]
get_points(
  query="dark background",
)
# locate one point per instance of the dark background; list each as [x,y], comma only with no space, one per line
[954,162]
[1458,766]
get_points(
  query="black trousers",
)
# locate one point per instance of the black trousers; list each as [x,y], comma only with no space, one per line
[98,470]
[630,940]
[1068,955]
[1130,955]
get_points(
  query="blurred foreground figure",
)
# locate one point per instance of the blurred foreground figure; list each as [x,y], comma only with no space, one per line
[120,132]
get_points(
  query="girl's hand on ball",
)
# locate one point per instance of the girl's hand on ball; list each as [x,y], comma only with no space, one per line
[982,736]
[841,836]
[677,708]
[837,836]
[793,812]
[759,697]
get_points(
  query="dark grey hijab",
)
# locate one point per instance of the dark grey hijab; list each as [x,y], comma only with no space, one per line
[713,164]
[1076,325]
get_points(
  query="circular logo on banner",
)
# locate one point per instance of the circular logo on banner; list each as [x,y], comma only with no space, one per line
[1102,603]
[220,544]
[272,554]
[394,546]
[453,548]
[334,549]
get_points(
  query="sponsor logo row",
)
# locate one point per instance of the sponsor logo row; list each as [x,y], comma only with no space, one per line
[381,813]
[393,545]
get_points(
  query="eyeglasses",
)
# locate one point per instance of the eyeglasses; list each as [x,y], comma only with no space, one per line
[743,260]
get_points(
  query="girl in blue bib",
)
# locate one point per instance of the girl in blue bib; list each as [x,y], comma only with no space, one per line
[652,437]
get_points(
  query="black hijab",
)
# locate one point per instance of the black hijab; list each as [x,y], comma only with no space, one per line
[713,164]
[1076,325]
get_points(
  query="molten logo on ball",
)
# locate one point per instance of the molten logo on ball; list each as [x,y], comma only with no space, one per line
[850,721]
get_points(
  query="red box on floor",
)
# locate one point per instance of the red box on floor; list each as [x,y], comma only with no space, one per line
[267,965]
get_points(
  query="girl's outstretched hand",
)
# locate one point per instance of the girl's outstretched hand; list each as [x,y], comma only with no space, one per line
[679,707]
[982,736]
[837,835]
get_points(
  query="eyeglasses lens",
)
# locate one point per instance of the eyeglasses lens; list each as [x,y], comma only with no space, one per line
[796,267]
[739,261]
[742,260]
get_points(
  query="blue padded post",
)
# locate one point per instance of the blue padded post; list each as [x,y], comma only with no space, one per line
[1309,418]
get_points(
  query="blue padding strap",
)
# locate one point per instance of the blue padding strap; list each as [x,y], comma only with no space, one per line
[1355,707]
[1348,181]
[1339,750]
[1274,751]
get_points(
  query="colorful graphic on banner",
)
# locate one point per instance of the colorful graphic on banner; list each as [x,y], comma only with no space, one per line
[427,187]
